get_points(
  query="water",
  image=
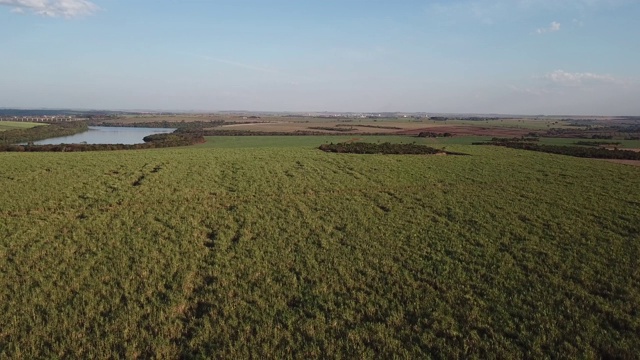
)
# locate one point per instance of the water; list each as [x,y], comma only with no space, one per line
[106,135]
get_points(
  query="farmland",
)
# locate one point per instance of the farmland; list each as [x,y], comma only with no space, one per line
[268,247]
[25,132]
[12,125]
[292,124]
[625,128]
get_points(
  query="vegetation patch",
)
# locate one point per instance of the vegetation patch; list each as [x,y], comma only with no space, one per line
[181,126]
[12,125]
[596,132]
[597,143]
[227,132]
[429,134]
[42,132]
[576,151]
[522,139]
[384,148]
[150,142]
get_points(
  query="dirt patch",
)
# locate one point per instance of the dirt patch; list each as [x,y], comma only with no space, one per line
[625,162]
[619,148]
[248,124]
[470,131]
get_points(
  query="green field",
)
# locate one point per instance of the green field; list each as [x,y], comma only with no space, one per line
[12,125]
[309,142]
[269,248]
[240,142]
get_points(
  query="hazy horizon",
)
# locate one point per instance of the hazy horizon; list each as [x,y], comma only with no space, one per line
[525,57]
[241,111]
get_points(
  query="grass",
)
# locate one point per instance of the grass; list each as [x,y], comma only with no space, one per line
[11,125]
[267,247]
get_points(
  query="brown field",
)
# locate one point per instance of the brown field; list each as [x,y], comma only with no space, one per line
[469,130]
[405,128]
[397,126]
[283,125]
[383,126]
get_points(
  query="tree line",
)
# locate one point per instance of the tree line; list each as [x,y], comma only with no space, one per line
[576,151]
[384,148]
[181,126]
[428,134]
[150,142]
[597,143]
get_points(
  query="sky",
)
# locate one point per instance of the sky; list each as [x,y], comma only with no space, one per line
[530,57]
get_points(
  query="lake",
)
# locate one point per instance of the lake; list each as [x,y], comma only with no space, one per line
[106,135]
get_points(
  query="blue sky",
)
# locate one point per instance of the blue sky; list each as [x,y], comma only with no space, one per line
[463,56]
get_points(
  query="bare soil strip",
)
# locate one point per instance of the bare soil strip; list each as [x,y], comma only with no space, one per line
[626,162]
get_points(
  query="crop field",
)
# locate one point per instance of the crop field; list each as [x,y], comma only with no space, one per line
[395,125]
[310,142]
[355,125]
[328,125]
[504,127]
[266,247]
[314,141]
[11,125]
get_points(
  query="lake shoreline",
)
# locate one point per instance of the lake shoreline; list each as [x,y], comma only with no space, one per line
[103,135]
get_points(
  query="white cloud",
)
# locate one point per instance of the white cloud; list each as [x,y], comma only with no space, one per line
[561,77]
[53,8]
[553,27]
